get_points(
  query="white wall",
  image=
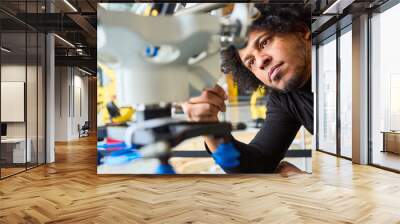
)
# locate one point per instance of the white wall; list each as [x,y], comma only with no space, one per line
[61,103]
[33,126]
[71,102]
[14,73]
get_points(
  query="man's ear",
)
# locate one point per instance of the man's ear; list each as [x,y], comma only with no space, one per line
[307,35]
[306,32]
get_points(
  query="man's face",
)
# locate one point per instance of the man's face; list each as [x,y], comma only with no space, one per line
[280,61]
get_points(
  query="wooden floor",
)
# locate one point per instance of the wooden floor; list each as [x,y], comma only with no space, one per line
[387,159]
[70,191]
[10,171]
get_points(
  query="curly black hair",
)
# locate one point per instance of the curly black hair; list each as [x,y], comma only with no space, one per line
[276,18]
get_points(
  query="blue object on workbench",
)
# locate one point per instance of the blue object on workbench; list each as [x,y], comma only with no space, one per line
[112,145]
[165,169]
[119,155]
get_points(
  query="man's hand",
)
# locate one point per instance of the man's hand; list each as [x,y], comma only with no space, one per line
[205,108]
[287,169]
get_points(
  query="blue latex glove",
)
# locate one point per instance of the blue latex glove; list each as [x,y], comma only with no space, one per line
[227,156]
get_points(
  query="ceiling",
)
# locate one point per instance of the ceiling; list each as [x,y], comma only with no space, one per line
[75,21]
[76,25]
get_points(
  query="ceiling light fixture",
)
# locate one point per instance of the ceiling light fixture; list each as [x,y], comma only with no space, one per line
[84,71]
[70,5]
[5,50]
[338,6]
[64,40]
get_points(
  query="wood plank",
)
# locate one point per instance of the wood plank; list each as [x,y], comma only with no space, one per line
[70,191]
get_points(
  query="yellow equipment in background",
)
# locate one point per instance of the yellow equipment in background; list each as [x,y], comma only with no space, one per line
[106,93]
[258,111]
[126,115]
[232,89]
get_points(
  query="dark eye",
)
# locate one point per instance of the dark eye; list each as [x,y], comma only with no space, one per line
[250,62]
[263,43]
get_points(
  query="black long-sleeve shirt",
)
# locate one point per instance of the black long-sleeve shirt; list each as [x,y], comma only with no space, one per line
[286,113]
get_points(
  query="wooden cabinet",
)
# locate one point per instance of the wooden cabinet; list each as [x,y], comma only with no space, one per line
[391,141]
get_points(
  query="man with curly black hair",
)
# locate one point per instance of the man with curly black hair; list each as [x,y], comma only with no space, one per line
[278,57]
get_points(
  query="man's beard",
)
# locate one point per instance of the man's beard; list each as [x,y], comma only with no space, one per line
[298,79]
[296,82]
